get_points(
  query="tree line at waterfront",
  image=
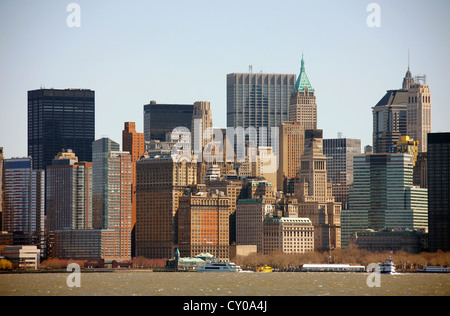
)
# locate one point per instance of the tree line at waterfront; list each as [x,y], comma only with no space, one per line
[404,261]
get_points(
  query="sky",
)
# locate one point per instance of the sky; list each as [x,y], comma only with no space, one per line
[132,52]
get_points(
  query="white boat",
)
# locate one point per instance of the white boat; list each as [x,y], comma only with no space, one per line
[219,267]
[433,269]
[387,267]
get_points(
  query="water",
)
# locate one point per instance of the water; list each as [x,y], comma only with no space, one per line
[224,284]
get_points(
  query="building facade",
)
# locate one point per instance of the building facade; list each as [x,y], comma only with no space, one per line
[314,194]
[57,120]
[339,153]
[258,100]
[160,119]
[302,104]
[290,235]
[68,193]
[419,114]
[24,202]
[383,196]
[203,224]
[439,191]
[160,182]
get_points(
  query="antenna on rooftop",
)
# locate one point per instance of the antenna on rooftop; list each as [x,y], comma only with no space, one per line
[250,69]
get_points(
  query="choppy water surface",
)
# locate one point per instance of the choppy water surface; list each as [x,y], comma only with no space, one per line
[224,284]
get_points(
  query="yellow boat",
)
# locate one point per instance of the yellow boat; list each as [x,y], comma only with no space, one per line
[265,268]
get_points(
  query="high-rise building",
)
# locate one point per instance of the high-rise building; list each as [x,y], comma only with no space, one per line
[258,100]
[302,105]
[389,121]
[203,224]
[339,153]
[419,114]
[292,141]
[68,193]
[24,202]
[314,194]
[439,191]
[202,114]
[60,119]
[161,119]
[383,196]
[159,184]
[111,196]
[250,215]
[100,155]
[133,142]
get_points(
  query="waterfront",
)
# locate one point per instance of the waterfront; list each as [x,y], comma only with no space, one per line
[224,284]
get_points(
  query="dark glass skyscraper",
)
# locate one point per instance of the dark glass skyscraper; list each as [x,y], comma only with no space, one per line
[439,191]
[60,119]
[160,119]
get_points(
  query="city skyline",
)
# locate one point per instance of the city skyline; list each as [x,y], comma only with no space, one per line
[130,55]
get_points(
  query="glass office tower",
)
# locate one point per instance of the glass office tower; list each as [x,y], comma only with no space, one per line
[57,120]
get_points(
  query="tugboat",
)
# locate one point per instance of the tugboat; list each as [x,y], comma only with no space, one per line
[387,267]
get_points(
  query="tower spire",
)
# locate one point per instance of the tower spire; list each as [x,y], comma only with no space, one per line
[302,80]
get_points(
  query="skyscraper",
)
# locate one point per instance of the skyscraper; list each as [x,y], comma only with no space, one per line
[161,119]
[439,191]
[2,173]
[258,100]
[159,184]
[314,194]
[24,202]
[59,119]
[291,147]
[383,196]
[302,105]
[133,142]
[339,153]
[68,193]
[419,114]
[389,121]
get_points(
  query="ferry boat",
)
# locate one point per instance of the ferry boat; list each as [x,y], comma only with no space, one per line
[387,267]
[265,268]
[433,269]
[219,267]
[332,268]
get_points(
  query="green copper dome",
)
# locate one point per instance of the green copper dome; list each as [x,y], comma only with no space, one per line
[303,81]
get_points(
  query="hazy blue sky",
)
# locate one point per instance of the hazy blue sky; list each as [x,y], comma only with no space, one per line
[131,52]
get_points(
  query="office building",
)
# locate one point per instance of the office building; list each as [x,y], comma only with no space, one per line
[134,143]
[258,100]
[203,224]
[389,121]
[289,235]
[406,145]
[112,183]
[24,202]
[439,191]
[24,257]
[291,147]
[302,104]
[313,192]
[339,153]
[383,196]
[68,193]
[419,114]
[250,215]
[159,184]
[57,120]
[161,119]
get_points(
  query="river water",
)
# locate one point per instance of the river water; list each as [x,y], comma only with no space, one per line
[224,284]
